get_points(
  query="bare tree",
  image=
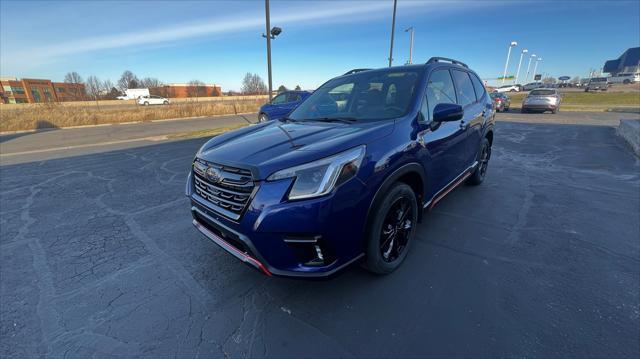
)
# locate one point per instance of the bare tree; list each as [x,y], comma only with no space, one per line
[282,88]
[73,78]
[549,80]
[196,88]
[106,87]
[128,81]
[150,82]
[93,87]
[298,88]
[575,80]
[253,84]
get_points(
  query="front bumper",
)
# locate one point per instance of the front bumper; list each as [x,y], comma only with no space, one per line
[276,236]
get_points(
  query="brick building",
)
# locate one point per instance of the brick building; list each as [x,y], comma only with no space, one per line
[13,90]
[186,90]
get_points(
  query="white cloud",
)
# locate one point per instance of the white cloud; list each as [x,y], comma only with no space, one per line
[337,12]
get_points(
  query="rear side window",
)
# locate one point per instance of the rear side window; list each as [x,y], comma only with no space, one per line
[293,97]
[464,88]
[439,90]
[478,86]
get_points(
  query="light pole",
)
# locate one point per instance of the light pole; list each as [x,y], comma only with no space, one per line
[520,63]
[504,74]
[526,79]
[393,29]
[271,34]
[410,31]
[536,66]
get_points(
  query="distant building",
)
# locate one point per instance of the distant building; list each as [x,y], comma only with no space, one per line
[628,62]
[186,90]
[39,90]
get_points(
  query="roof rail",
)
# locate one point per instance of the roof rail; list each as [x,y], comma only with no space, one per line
[440,59]
[354,71]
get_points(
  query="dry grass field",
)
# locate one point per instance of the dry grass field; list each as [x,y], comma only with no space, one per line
[55,115]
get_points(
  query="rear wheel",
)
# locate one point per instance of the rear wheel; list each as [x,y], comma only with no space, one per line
[391,229]
[483,157]
[626,82]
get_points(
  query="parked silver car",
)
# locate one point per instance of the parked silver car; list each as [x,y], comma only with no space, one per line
[542,100]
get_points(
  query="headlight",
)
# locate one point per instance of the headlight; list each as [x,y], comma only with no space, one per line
[319,177]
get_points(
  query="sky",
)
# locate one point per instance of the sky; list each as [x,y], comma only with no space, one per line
[220,41]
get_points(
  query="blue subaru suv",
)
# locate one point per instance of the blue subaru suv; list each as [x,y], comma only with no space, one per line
[281,105]
[346,175]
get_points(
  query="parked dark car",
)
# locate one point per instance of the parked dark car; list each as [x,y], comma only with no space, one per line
[346,175]
[501,101]
[281,105]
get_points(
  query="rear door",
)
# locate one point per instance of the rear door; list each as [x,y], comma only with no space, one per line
[443,146]
[473,114]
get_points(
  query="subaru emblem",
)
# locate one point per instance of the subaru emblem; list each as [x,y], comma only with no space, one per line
[213,175]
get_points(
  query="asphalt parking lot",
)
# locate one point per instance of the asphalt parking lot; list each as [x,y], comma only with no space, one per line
[99,260]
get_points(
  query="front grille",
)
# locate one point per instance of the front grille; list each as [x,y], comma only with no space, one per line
[227,189]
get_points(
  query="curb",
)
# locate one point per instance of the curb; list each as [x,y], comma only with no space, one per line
[629,130]
[123,123]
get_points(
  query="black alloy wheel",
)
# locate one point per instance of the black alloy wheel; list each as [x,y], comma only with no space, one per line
[396,229]
[477,177]
[391,225]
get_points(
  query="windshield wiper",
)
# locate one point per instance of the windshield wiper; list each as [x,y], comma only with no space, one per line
[286,119]
[335,119]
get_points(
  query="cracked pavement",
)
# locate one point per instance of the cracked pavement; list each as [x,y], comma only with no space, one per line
[99,260]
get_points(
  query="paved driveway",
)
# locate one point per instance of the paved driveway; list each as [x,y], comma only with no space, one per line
[99,259]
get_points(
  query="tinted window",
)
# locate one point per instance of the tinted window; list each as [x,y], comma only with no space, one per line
[542,92]
[282,98]
[478,86]
[293,97]
[439,90]
[464,88]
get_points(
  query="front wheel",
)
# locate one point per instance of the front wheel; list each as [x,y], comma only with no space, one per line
[146,103]
[391,229]
[478,175]
[263,118]
[166,102]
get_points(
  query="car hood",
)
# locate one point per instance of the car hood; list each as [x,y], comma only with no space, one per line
[266,148]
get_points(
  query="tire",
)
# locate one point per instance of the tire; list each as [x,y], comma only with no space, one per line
[146,103]
[383,257]
[626,82]
[165,103]
[263,117]
[512,90]
[483,157]
[522,110]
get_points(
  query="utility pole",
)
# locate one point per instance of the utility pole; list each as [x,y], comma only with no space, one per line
[410,31]
[393,29]
[268,36]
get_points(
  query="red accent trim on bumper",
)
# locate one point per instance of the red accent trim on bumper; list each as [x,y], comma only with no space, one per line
[231,249]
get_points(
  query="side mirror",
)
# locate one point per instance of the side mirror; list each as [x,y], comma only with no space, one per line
[447,112]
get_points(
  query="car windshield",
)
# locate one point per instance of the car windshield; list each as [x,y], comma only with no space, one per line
[496,95]
[364,96]
[542,92]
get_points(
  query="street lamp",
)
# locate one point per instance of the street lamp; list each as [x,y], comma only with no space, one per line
[410,31]
[504,74]
[526,79]
[393,29]
[536,66]
[272,33]
[519,63]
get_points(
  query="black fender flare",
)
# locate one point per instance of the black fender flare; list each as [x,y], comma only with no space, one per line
[387,183]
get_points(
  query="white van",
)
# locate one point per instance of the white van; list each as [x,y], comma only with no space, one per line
[625,78]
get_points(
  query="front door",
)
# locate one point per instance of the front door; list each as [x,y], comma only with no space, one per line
[443,145]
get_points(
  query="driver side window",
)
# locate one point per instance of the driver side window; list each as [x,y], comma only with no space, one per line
[439,90]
